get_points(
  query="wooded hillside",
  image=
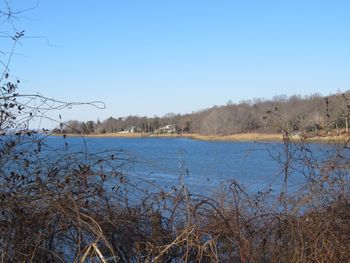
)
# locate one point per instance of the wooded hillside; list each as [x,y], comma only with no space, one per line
[312,114]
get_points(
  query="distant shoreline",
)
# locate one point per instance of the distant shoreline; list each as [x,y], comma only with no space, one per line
[233,137]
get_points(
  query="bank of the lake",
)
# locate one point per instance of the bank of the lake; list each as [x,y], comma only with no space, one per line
[233,137]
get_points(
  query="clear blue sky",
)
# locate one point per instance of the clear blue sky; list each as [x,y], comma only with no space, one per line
[154,57]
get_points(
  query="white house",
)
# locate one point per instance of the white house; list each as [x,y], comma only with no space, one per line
[170,128]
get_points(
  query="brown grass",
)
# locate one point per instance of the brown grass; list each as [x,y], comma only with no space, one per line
[233,137]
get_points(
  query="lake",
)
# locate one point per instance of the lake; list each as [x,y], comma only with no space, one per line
[203,165]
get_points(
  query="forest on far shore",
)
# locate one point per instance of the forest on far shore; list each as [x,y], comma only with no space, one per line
[313,114]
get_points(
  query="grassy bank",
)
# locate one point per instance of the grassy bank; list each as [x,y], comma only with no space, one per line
[233,137]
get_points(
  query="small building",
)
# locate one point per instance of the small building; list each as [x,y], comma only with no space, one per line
[170,128]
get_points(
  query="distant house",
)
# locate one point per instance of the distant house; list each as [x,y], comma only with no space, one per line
[133,129]
[170,128]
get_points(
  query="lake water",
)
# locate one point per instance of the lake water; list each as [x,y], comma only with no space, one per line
[204,165]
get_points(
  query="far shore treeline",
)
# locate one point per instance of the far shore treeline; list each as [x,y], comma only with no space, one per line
[313,114]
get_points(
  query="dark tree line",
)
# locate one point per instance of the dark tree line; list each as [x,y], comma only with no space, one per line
[308,114]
